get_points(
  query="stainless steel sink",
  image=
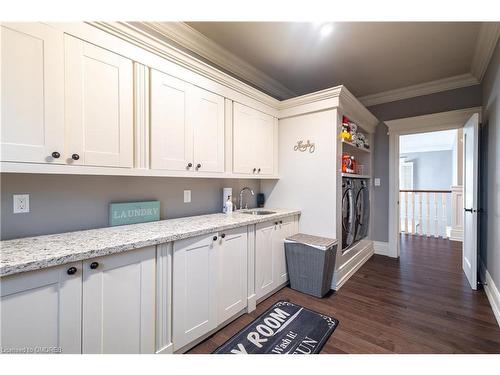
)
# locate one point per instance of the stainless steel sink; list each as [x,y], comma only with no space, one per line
[258,212]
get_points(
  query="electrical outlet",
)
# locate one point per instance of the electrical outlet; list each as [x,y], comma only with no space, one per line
[21,203]
[377,182]
[187,196]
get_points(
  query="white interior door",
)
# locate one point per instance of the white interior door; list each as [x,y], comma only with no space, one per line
[471,156]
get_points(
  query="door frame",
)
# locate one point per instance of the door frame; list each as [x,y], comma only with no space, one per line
[413,125]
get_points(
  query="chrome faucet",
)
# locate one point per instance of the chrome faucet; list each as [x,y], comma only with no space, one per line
[241,196]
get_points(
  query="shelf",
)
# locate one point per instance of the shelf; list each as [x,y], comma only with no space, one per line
[356,147]
[353,175]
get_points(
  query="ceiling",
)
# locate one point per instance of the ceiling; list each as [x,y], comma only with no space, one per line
[367,57]
[427,142]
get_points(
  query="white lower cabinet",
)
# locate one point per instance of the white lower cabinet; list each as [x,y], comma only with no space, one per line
[119,303]
[209,284]
[270,262]
[194,288]
[41,310]
[232,273]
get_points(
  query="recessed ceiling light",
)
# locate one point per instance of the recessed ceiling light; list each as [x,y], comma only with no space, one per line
[326,29]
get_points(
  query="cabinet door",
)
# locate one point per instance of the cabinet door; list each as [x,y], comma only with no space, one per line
[42,309]
[206,116]
[284,229]
[253,141]
[119,303]
[194,289]
[171,132]
[32,95]
[99,105]
[264,151]
[232,273]
[265,275]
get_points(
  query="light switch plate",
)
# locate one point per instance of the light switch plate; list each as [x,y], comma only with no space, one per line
[187,196]
[21,203]
[377,182]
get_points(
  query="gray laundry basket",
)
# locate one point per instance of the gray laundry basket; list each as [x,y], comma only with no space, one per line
[310,261]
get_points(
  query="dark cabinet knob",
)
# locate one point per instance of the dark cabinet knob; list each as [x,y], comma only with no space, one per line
[223,235]
[75,156]
[71,270]
[94,265]
[215,238]
[281,221]
[56,155]
[254,170]
[198,166]
[275,223]
[190,165]
[258,170]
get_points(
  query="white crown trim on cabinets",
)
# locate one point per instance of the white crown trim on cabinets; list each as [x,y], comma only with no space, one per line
[191,39]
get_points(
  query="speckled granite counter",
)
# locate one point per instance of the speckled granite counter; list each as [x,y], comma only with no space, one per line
[32,253]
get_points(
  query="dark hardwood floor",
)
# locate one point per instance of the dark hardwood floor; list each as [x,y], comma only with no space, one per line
[420,303]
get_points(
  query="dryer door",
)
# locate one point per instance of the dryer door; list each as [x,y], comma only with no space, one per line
[362,210]
[348,214]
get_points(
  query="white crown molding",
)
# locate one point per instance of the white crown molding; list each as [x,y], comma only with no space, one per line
[432,122]
[338,96]
[485,46]
[426,88]
[191,39]
[130,33]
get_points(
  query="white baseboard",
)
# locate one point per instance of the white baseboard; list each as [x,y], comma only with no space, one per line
[169,349]
[381,248]
[341,275]
[456,235]
[491,290]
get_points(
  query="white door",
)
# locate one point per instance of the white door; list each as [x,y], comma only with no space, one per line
[232,273]
[194,288]
[471,157]
[42,309]
[171,132]
[206,116]
[119,303]
[265,274]
[32,94]
[99,106]
[284,229]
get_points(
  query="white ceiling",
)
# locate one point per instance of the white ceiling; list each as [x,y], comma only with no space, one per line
[367,57]
[426,142]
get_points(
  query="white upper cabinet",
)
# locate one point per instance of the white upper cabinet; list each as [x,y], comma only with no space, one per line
[99,106]
[187,126]
[42,309]
[171,132]
[207,119]
[253,141]
[119,303]
[32,120]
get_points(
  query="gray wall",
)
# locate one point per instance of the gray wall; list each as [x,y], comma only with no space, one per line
[62,203]
[425,165]
[489,244]
[439,102]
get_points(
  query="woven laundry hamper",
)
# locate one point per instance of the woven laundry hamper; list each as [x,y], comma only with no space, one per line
[310,261]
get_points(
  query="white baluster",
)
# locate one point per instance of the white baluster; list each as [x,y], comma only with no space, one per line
[428,214]
[436,216]
[420,216]
[406,211]
[413,225]
[445,216]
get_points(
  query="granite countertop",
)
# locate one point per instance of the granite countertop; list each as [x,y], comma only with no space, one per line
[33,253]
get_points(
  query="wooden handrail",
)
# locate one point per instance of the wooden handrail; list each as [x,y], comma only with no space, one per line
[425,191]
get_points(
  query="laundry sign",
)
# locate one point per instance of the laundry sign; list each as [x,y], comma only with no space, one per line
[133,212]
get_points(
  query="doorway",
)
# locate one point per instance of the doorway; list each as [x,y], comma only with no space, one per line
[432,211]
